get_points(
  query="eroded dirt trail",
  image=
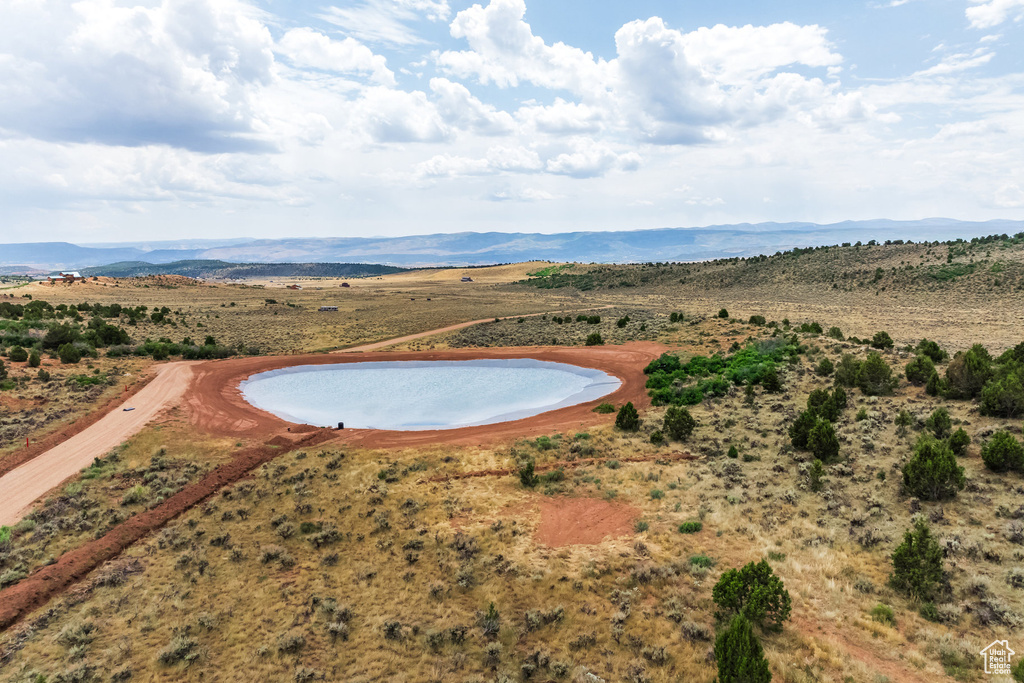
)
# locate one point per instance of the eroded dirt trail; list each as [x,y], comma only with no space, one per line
[452,328]
[23,485]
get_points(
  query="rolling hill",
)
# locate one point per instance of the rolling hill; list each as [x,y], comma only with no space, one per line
[477,248]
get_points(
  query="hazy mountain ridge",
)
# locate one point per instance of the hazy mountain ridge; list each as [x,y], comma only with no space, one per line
[226,270]
[476,248]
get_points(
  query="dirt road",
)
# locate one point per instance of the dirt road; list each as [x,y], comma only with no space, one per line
[451,328]
[23,485]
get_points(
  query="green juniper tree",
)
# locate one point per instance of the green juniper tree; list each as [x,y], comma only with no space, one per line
[882,340]
[903,420]
[939,423]
[968,372]
[917,564]
[755,592]
[932,351]
[815,476]
[959,441]
[933,473]
[1003,452]
[679,424]
[920,369]
[822,441]
[874,377]
[739,656]
[628,420]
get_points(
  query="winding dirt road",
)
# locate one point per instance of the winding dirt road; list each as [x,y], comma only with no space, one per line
[451,328]
[23,485]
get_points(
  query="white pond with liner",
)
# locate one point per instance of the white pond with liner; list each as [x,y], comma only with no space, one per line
[417,395]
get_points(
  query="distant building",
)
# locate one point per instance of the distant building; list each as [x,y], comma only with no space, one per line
[329,309]
[68,276]
[467,279]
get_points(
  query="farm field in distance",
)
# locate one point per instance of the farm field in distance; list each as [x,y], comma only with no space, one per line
[824,431]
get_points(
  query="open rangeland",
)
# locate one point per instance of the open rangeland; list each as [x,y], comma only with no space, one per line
[220,543]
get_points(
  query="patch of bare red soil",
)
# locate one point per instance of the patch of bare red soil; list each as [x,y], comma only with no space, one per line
[582,521]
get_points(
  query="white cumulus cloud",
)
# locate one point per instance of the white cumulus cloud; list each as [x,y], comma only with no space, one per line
[590,159]
[183,72]
[504,51]
[988,13]
[459,108]
[306,47]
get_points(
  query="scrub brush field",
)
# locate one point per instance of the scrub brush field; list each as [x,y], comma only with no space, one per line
[820,483]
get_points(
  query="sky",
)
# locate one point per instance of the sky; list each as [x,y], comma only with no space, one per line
[174,119]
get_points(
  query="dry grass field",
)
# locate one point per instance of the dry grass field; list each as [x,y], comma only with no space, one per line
[344,563]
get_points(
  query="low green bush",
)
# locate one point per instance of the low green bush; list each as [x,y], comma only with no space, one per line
[1003,452]
[628,420]
[919,370]
[883,614]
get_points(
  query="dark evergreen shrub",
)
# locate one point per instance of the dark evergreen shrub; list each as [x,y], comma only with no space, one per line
[678,424]
[739,656]
[755,592]
[933,473]
[968,372]
[874,377]
[882,340]
[920,369]
[939,423]
[959,441]
[1003,452]
[628,420]
[917,564]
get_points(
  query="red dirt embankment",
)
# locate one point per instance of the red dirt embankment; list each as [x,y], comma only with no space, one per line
[217,406]
[37,589]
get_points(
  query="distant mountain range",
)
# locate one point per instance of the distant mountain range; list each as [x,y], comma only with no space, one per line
[474,248]
[238,271]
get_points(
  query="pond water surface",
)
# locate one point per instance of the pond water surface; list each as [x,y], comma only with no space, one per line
[413,395]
